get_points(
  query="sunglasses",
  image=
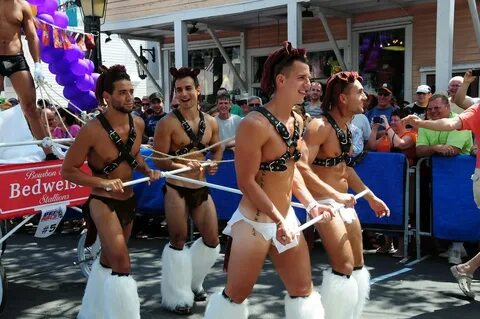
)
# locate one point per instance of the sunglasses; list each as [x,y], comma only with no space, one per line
[254,104]
[383,94]
[174,106]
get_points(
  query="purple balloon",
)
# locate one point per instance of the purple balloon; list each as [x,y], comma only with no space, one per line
[50,54]
[86,101]
[65,79]
[35,2]
[45,17]
[91,66]
[71,92]
[60,19]
[59,66]
[95,78]
[74,53]
[84,83]
[79,67]
[47,6]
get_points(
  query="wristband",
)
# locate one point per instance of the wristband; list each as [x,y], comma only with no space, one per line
[311,206]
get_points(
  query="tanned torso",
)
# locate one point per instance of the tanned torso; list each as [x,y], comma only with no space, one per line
[335,176]
[103,151]
[180,139]
[276,185]
[12,13]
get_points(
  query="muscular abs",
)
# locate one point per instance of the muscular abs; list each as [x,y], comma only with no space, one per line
[11,19]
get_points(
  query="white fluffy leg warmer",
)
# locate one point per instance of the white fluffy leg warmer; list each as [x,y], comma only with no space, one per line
[304,307]
[219,307]
[92,302]
[362,277]
[203,258]
[121,298]
[339,295]
[176,278]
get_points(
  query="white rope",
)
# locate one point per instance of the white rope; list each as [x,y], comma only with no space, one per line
[162,174]
[63,98]
[65,108]
[46,141]
[181,157]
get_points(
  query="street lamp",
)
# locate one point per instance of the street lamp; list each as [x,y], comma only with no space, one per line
[93,11]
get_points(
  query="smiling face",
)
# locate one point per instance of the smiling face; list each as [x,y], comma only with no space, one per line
[294,82]
[353,97]
[438,109]
[223,107]
[186,93]
[384,98]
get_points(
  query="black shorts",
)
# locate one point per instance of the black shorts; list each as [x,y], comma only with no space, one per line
[125,210]
[10,64]
[194,197]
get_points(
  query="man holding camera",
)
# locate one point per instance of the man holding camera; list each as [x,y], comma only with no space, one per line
[385,103]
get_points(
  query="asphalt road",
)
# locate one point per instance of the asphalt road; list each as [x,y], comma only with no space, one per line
[43,282]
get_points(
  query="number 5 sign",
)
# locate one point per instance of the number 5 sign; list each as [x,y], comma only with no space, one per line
[51,217]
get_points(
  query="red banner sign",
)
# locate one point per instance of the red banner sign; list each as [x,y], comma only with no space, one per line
[26,188]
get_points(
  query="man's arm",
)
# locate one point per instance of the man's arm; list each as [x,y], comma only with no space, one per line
[217,151]
[377,205]
[142,165]
[30,32]
[76,155]
[461,97]
[162,140]
[445,124]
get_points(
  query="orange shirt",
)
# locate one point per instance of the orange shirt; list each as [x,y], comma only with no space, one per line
[385,145]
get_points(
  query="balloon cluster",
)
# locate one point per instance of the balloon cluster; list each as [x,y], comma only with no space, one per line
[71,69]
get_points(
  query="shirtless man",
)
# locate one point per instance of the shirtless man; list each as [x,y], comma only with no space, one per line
[16,15]
[187,129]
[264,222]
[111,145]
[345,287]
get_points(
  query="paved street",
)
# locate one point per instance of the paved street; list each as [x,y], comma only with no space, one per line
[44,283]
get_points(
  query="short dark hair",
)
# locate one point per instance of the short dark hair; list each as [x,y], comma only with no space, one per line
[280,62]
[223,97]
[107,79]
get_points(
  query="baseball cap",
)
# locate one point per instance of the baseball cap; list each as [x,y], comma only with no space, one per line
[156,95]
[13,101]
[424,89]
[386,87]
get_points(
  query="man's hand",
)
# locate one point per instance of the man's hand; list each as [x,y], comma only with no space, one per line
[468,77]
[446,150]
[412,120]
[212,168]
[379,207]
[327,211]
[37,72]
[194,165]
[154,175]
[346,199]
[284,234]
[112,185]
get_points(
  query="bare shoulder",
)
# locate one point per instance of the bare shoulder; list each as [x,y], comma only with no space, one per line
[317,131]
[138,121]
[254,123]
[210,120]
[25,7]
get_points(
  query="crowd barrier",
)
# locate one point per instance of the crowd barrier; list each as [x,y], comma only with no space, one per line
[455,215]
